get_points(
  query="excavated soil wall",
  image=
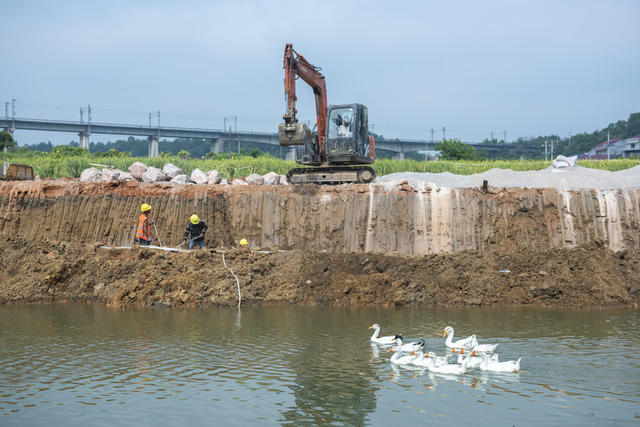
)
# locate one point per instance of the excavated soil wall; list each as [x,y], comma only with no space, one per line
[355,244]
[351,219]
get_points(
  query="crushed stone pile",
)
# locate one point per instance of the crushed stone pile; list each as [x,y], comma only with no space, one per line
[570,178]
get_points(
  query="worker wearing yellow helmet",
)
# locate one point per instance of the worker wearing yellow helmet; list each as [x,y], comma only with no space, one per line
[196,228]
[143,233]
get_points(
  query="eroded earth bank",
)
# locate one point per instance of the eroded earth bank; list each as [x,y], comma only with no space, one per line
[358,244]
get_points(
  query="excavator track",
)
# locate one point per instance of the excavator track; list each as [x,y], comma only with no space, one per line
[332,175]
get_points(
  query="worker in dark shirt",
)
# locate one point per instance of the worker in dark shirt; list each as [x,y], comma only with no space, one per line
[195,232]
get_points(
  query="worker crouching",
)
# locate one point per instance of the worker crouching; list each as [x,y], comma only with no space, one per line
[196,228]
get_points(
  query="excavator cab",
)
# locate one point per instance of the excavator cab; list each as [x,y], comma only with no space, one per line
[347,140]
[348,135]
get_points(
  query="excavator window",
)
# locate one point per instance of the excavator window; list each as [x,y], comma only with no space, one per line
[341,123]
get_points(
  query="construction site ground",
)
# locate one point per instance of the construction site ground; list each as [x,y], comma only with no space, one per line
[341,245]
[46,271]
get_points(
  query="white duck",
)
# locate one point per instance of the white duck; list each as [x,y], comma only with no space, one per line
[450,369]
[399,358]
[410,346]
[467,343]
[494,365]
[485,348]
[474,361]
[424,361]
[387,340]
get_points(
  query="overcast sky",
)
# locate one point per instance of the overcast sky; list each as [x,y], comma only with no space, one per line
[527,67]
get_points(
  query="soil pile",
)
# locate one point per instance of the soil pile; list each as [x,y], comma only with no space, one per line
[47,271]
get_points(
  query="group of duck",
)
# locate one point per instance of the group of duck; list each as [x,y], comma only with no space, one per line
[470,354]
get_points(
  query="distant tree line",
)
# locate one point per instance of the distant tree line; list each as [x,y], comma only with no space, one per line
[576,144]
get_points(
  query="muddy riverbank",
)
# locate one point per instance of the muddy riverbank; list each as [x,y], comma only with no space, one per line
[589,275]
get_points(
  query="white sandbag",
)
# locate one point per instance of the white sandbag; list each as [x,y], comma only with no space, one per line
[199,177]
[283,180]
[254,179]
[271,178]
[91,175]
[137,170]
[564,162]
[213,177]
[238,181]
[153,174]
[171,171]
[224,181]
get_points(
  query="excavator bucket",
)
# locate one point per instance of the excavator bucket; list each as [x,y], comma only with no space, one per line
[294,134]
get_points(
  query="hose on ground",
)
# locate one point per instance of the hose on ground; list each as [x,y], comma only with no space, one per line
[236,277]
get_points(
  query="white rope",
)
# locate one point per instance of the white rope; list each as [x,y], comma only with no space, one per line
[237,281]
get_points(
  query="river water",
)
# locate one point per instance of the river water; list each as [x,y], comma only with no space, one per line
[78,365]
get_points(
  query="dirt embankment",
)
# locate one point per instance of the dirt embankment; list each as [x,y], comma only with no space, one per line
[590,275]
[337,219]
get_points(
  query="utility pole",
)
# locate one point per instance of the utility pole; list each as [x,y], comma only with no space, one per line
[545,150]
[552,149]
[158,119]
[6,109]
[505,136]
[426,150]
[444,130]
[235,129]
[13,109]
[81,115]
[150,119]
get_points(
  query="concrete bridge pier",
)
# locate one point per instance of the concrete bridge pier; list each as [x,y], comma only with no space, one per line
[290,155]
[84,139]
[153,146]
[10,132]
[399,154]
[217,146]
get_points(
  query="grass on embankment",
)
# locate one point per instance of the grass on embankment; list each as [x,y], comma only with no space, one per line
[49,167]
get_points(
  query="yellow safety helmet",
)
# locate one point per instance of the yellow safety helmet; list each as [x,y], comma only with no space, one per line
[243,242]
[194,219]
[145,207]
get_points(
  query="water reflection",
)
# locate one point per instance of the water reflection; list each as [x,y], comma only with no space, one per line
[308,365]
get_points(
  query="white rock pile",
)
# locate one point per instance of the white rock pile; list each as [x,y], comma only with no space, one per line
[173,174]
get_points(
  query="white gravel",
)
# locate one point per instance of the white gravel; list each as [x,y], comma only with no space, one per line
[574,178]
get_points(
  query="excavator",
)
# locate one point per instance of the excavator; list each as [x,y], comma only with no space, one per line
[341,149]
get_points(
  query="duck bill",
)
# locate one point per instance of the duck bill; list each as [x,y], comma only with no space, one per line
[371,327]
[390,350]
[444,334]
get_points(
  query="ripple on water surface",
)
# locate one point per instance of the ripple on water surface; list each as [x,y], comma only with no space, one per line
[72,364]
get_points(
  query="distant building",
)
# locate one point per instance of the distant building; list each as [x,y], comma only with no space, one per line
[610,149]
[614,148]
[632,146]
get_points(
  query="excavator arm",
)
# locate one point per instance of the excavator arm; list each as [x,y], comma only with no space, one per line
[291,132]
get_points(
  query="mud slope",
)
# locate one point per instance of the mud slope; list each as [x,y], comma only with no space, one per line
[586,276]
[340,219]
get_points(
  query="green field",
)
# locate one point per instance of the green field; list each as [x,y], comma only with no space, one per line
[48,166]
